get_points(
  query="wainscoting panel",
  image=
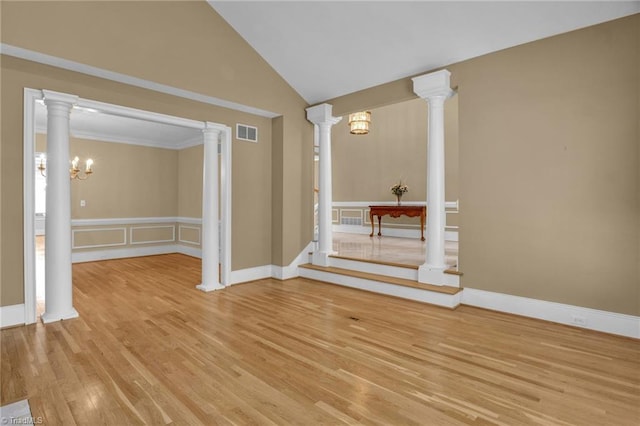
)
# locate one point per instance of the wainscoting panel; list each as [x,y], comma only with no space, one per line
[153,234]
[189,234]
[98,237]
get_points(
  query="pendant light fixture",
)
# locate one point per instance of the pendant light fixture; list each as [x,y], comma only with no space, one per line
[359,122]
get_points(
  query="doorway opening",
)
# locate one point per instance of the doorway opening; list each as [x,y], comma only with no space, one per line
[150,228]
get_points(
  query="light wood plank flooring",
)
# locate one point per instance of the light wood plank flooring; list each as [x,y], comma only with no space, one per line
[150,348]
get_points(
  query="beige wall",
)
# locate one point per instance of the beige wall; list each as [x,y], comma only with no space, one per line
[183,44]
[17,74]
[548,157]
[161,42]
[366,166]
[251,204]
[128,181]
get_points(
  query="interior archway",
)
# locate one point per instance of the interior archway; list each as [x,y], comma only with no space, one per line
[31,97]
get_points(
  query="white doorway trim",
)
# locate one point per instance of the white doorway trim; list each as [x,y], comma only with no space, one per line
[29,129]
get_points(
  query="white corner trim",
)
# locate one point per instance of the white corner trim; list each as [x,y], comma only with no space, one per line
[30,97]
[592,319]
[30,55]
[108,254]
[12,315]
[250,274]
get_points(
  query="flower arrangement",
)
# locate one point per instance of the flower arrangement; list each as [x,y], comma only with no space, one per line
[399,188]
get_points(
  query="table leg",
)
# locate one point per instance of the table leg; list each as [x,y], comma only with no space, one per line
[372,225]
[422,217]
[379,226]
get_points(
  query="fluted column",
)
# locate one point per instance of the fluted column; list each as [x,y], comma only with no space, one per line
[58,283]
[435,89]
[210,234]
[320,116]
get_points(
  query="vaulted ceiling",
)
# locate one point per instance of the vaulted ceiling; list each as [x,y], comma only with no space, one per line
[325,49]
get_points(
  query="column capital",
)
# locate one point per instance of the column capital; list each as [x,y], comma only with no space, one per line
[321,114]
[51,96]
[433,85]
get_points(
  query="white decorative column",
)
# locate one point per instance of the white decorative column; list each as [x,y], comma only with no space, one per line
[58,284]
[435,89]
[210,235]
[320,116]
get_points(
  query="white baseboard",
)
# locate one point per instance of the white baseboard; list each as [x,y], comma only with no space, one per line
[577,316]
[272,271]
[250,274]
[189,251]
[390,232]
[291,270]
[92,256]
[12,315]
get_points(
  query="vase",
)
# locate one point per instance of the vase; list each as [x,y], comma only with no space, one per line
[399,198]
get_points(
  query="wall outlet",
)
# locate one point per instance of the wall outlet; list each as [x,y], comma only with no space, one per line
[579,320]
[83,203]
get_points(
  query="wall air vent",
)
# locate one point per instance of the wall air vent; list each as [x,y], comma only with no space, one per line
[351,221]
[246,133]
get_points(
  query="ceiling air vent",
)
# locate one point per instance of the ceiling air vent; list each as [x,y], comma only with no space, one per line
[246,133]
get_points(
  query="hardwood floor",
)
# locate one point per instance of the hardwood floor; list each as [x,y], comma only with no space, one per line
[150,348]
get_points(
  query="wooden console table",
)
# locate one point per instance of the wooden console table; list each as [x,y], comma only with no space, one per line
[397,211]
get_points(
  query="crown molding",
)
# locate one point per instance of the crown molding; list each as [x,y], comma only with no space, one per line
[30,55]
[102,137]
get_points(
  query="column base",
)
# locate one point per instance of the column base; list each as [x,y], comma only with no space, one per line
[321,258]
[52,317]
[429,274]
[209,287]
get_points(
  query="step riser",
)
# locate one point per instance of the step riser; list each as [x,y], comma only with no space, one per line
[374,268]
[450,279]
[425,296]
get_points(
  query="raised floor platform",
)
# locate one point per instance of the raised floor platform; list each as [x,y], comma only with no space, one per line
[384,278]
[391,281]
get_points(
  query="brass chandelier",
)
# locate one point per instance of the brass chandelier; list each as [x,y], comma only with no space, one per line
[74,171]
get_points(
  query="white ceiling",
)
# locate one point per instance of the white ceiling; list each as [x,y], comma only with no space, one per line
[328,49]
[88,123]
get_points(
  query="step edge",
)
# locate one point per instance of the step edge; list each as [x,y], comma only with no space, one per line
[374,277]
